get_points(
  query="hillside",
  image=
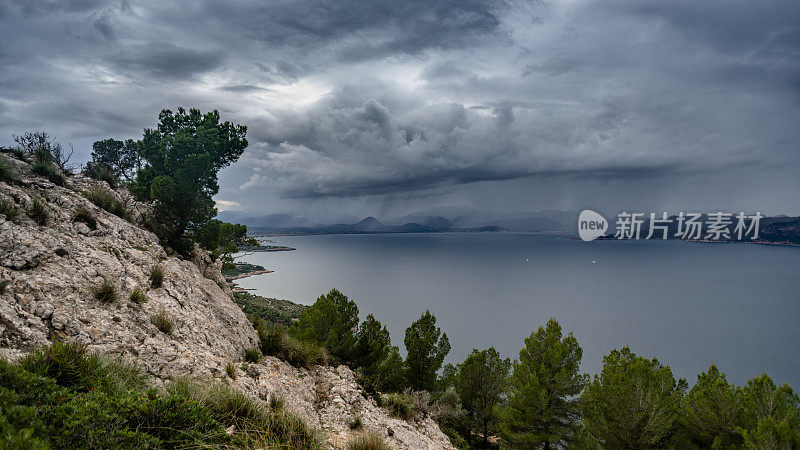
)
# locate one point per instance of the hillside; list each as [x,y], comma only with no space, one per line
[51,272]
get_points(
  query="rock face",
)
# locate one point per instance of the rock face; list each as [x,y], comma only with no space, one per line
[49,274]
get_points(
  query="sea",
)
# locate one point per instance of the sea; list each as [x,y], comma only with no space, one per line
[688,304]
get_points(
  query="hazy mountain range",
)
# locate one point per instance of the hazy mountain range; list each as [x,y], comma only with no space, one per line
[452,218]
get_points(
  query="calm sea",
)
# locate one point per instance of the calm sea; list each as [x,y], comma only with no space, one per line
[687,304]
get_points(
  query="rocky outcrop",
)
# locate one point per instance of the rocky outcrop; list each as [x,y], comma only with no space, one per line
[49,274]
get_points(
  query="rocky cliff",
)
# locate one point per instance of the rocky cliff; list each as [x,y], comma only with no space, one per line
[50,272]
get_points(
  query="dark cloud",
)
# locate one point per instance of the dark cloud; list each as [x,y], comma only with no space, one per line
[357,106]
[160,59]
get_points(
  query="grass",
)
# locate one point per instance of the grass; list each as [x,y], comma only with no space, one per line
[356,423]
[252,355]
[275,341]
[276,402]
[85,216]
[138,296]
[106,292]
[230,369]
[66,397]
[7,174]
[43,166]
[163,322]
[368,441]
[9,210]
[156,277]
[104,200]
[39,211]
[399,405]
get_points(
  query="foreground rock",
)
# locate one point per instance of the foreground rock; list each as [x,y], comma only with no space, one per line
[49,275]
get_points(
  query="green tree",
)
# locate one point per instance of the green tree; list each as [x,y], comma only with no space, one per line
[542,408]
[713,411]
[426,346]
[771,414]
[181,158]
[122,158]
[331,321]
[633,403]
[222,239]
[480,383]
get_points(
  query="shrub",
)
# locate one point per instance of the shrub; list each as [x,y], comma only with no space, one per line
[39,212]
[230,369]
[356,423]
[138,296]
[65,397]
[252,355]
[163,322]
[3,285]
[85,216]
[104,200]
[275,341]
[101,172]
[9,210]
[42,144]
[399,405]
[106,292]
[368,441]
[43,166]
[7,174]
[156,277]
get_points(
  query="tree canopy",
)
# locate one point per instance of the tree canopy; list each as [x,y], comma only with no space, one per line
[427,347]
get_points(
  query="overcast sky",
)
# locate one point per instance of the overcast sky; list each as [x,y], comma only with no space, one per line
[361,108]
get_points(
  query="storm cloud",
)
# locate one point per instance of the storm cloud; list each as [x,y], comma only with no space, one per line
[400,105]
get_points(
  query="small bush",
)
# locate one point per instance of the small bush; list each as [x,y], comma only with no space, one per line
[85,216]
[9,210]
[7,174]
[43,166]
[106,292]
[399,405]
[230,369]
[104,200]
[276,402]
[18,153]
[356,423]
[275,341]
[163,322]
[156,277]
[3,285]
[101,172]
[252,355]
[39,212]
[138,296]
[368,441]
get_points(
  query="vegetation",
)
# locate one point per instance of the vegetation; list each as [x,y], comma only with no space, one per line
[39,212]
[104,200]
[138,296]
[66,397]
[106,292]
[222,239]
[3,285]
[252,355]
[230,270]
[270,310]
[400,405]
[33,142]
[480,382]
[113,159]
[230,369]
[368,441]
[356,423]
[276,341]
[426,346]
[9,210]
[330,322]
[156,276]
[7,174]
[163,322]
[43,166]
[85,216]
[180,161]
